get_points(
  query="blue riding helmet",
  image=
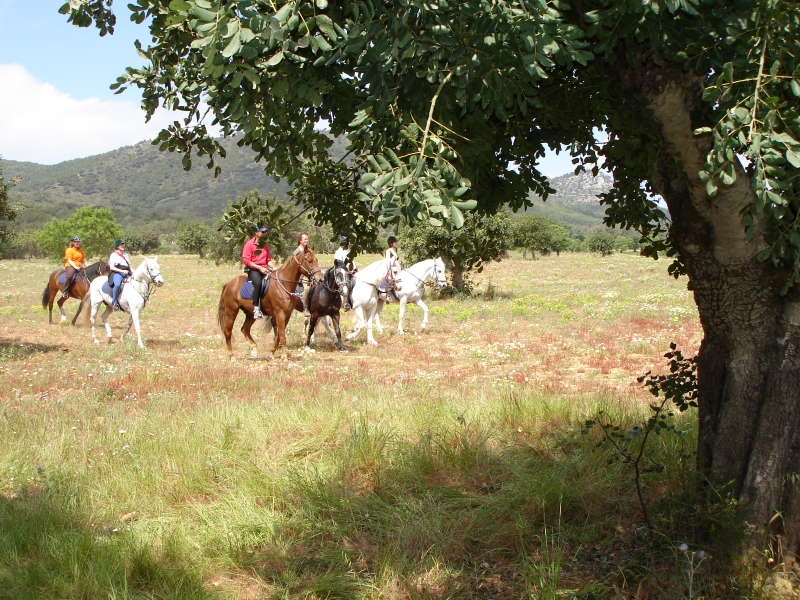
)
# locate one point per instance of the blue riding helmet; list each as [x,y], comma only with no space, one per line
[74,238]
[263,229]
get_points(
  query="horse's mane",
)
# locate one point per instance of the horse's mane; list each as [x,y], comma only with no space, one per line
[329,277]
[372,267]
[95,269]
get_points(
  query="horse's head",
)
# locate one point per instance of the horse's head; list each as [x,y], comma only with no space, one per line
[310,265]
[154,270]
[438,267]
[103,268]
[339,280]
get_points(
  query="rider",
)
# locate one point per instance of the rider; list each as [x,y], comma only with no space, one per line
[257,263]
[342,259]
[120,264]
[74,261]
[302,248]
[391,257]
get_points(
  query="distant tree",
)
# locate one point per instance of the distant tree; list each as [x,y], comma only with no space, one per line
[24,244]
[8,212]
[142,242]
[194,237]
[536,233]
[623,243]
[600,242]
[96,227]
[480,240]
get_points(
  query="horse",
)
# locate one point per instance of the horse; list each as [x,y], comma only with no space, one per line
[364,294]
[77,288]
[278,302]
[132,298]
[408,287]
[325,300]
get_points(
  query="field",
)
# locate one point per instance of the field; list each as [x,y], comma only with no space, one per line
[443,464]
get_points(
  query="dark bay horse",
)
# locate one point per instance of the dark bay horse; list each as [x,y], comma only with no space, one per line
[278,302]
[325,300]
[77,290]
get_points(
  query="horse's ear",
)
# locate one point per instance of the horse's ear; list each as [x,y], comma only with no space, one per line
[312,248]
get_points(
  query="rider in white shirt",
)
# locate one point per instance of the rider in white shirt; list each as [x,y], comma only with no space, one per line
[120,264]
[341,258]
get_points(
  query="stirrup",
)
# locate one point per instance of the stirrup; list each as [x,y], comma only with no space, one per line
[64,294]
[257,314]
[115,307]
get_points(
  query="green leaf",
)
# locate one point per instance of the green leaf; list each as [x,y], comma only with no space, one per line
[180,5]
[795,85]
[203,14]
[326,26]
[456,217]
[793,157]
[467,205]
[711,187]
[275,59]
[233,47]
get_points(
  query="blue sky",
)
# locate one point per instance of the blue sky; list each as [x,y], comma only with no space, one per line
[55,104]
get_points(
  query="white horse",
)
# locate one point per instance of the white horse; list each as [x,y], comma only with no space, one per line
[132,299]
[408,287]
[364,294]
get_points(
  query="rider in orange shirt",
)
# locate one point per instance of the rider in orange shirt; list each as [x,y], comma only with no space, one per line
[74,261]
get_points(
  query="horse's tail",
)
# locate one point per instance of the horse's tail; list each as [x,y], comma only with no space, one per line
[86,307]
[221,312]
[46,296]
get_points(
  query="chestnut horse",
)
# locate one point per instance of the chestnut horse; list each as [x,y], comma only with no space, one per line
[77,290]
[278,302]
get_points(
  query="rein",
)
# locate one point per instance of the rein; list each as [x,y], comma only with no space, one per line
[308,274]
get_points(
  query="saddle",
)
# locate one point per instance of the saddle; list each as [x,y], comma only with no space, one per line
[63,278]
[247,287]
[110,284]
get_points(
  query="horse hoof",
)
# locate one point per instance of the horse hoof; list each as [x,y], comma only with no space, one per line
[96,341]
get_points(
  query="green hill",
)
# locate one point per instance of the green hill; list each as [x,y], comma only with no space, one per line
[143,186]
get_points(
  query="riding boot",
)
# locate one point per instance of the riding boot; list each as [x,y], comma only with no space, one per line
[257,312]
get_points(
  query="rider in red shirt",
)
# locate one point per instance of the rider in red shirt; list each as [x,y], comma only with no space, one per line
[257,263]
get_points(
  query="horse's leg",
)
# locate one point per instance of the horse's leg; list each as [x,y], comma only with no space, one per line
[248,323]
[104,318]
[62,310]
[280,322]
[137,326]
[50,305]
[339,343]
[377,315]
[92,318]
[331,334]
[370,314]
[424,308]
[403,302]
[227,331]
[80,308]
[311,324]
[360,322]
[128,328]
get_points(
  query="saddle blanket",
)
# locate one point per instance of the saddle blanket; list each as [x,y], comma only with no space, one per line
[63,277]
[247,288]
[106,288]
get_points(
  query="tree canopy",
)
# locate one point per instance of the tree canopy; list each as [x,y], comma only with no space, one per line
[96,227]
[8,212]
[448,107]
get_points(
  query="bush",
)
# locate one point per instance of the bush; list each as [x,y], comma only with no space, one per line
[481,239]
[96,227]
[194,237]
[600,242]
[142,242]
[24,244]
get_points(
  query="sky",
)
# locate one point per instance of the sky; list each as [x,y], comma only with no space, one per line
[55,104]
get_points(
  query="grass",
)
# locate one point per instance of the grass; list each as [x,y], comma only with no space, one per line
[448,464]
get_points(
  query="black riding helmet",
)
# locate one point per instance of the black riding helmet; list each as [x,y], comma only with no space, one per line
[74,238]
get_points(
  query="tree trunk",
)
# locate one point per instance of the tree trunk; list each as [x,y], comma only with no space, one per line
[533,253]
[749,363]
[458,277]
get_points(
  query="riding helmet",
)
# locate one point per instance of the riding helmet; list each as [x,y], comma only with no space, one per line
[342,239]
[263,229]
[74,238]
[117,242]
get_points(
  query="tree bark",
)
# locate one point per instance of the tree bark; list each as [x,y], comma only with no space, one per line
[458,276]
[749,362]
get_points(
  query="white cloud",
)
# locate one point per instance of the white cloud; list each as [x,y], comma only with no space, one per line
[39,123]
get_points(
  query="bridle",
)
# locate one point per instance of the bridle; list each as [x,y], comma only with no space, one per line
[152,286]
[308,273]
[422,282]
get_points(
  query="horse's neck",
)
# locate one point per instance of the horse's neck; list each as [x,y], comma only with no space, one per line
[290,271]
[140,274]
[375,272]
[422,270]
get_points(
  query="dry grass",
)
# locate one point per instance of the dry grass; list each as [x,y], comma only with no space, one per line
[446,464]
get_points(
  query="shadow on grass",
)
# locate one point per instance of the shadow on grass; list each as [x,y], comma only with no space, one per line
[11,350]
[48,551]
